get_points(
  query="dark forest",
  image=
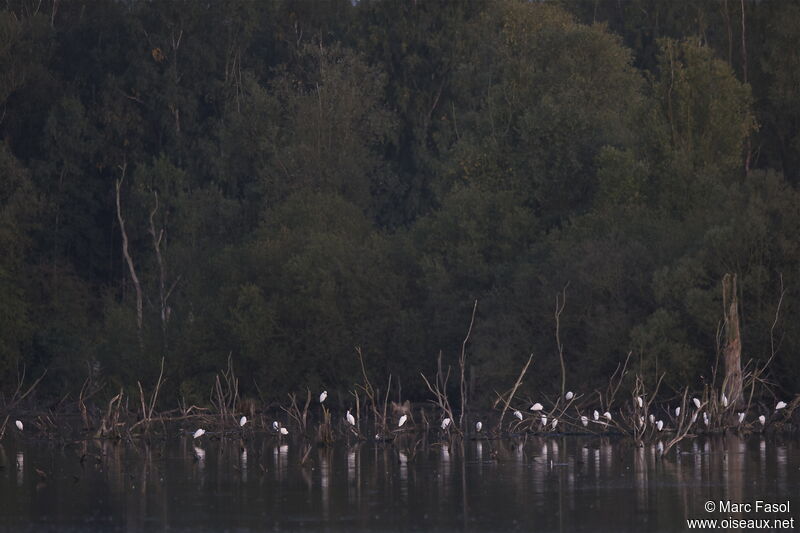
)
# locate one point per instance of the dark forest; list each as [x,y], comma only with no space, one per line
[280,183]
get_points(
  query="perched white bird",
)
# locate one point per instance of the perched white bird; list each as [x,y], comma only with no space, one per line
[741,417]
[660,425]
[478,426]
[652,419]
[323,396]
[536,407]
[641,421]
[780,406]
[607,415]
[276,426]
[518,414]
[19,424]
[284,431]
[242,421]
[639,401]
[596,415]
[694,418]
[584,420]
[678,411]
[762,419]
[350,419]
[724,400]
[544,421]
[555,423]
[199,433]
[445,423]
[402,421]
[570,395]
[706,419]
[696,403]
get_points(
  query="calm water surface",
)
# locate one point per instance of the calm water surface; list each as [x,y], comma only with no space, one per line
[542,484]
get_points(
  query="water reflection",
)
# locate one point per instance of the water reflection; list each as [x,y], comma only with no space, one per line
[20,468]
[324,481]
[243,464]
[281,455]
[200,456]
[403,458]
[541,483]
[781,463]
[641,470]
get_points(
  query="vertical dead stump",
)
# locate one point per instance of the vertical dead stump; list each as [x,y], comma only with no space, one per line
[732,386]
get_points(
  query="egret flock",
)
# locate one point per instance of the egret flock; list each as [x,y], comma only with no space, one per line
[538,409]
[605,419]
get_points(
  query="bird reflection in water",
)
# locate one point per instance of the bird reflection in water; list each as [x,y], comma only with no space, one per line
[20,468]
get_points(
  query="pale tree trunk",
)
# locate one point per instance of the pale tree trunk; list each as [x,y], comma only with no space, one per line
[733,341]
[162,274]
[126,253]
[163,292]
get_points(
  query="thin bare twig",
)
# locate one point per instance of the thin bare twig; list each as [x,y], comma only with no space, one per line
[513,391]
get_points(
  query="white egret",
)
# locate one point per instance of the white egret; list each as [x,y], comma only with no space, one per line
[350,419]
[678,411]
[242,421]
[584,420]
[706,419]
[544,421]
[694,418]
[641,421]
[199,433]
[762,419]
[276,426]
[518,414]
[724,400]
[570,395]
[445,423]
[741,417]
[696,403]
[596,415]
[19,425]
[323,396]
[284,431]
[478,426]
[555,423]
[652,418]
[402,421]
[660,425]
[607,415]
[780,406]
[536,407]
[639,401]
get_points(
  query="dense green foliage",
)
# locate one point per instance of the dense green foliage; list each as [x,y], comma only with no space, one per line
[298,178]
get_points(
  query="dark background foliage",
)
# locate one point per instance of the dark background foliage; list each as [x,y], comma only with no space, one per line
[301,178]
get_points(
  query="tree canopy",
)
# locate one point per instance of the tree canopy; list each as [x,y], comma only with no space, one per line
[281,182]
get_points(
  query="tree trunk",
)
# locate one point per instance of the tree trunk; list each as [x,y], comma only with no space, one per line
[129,260]
[748,148]
[732,386]
[162,274]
